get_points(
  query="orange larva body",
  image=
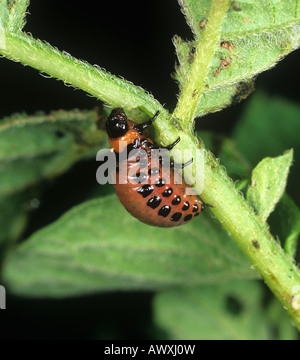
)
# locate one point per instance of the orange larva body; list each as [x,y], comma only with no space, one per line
[148,196]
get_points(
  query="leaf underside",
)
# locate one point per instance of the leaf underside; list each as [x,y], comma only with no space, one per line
[255,35]
[85,251]
[38,148]
[232,311]
[33,148]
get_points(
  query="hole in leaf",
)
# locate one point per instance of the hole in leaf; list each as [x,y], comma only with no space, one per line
[233,305]
[59,134]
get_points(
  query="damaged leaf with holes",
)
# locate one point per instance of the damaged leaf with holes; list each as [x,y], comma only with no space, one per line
[231,311]
[255,35]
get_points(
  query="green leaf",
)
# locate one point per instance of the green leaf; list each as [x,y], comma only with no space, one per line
[285,223]
[12,17]
[17,10]
[229,311]
[34,148]
[87,251]
[254,36]
[43,146]
[235,163]
[268,126]
[268,184]
[4,13]
[284,329]
[13,218]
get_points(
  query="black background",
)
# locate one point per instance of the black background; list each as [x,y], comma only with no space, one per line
[132,39]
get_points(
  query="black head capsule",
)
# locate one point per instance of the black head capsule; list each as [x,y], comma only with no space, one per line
[116,124]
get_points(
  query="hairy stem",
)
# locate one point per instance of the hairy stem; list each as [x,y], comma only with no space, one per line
[94,80]
[194,87]
[230,208]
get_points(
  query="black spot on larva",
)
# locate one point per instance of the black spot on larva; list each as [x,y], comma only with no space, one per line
[186,206]
[255,243]
[154,202]
[176,200]
[164,211]
[197,214]
[195,208]
[161,182]
[117,169]
[153,171]
[143,163]
[188,217]
[176,216]
[145,190]
[140,177]
[167,192]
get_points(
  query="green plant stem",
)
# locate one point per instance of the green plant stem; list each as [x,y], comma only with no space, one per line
[275,266]
[194,87]
[230,208]
[268,258]
[93,80]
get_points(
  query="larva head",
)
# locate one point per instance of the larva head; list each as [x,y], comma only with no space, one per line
[116,124]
